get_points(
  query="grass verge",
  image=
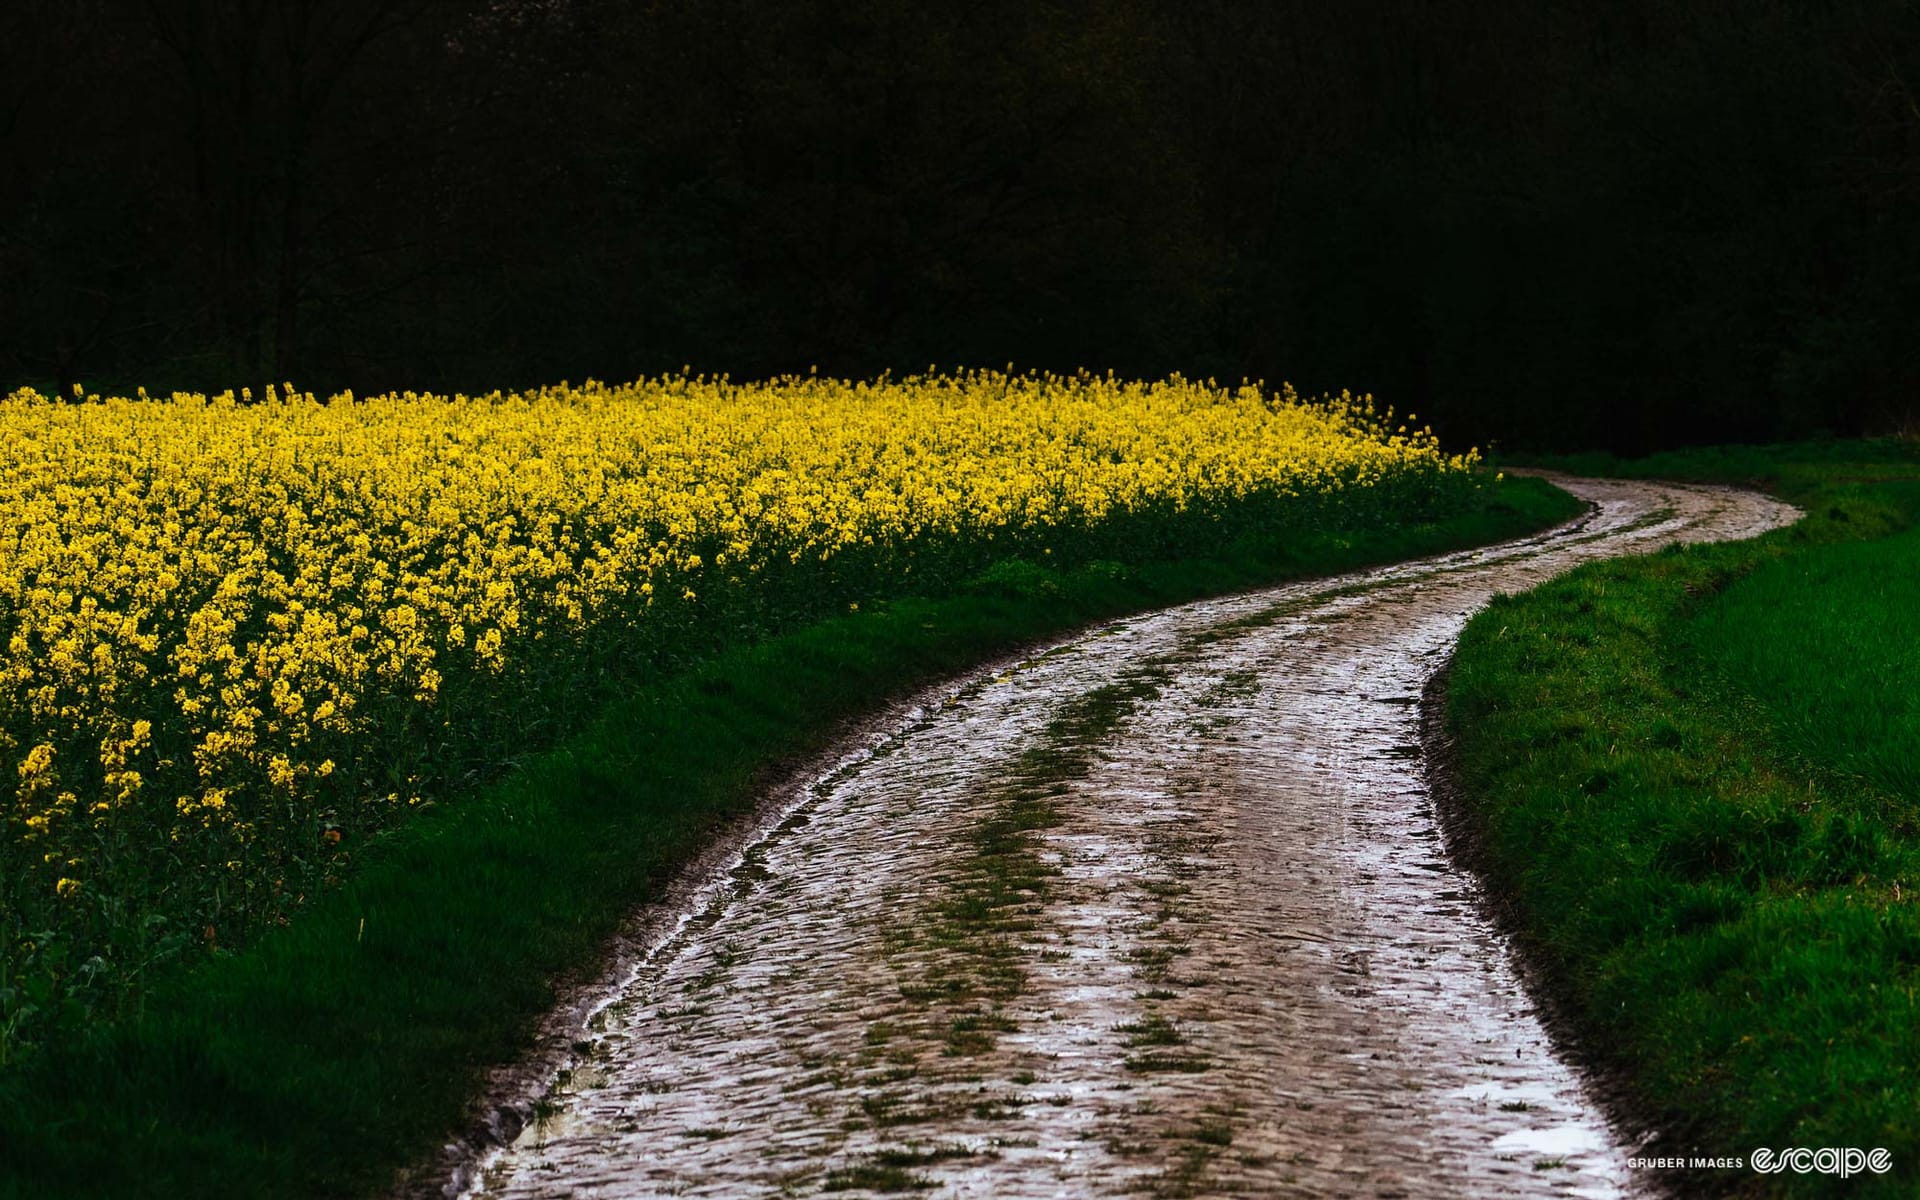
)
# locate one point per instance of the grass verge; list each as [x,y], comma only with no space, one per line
[1691,779]
[334,1052]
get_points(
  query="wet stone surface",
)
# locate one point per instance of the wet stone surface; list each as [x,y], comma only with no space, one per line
[1163,911]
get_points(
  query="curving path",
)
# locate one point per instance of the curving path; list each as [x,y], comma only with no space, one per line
[1161,911]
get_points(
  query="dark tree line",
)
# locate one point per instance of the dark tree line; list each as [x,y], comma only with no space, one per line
[1558,223]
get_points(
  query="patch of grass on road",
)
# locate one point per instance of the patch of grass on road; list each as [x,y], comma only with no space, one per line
[1691,777]
[334,1052]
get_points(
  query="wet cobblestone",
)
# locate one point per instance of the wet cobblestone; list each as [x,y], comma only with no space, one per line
[1163,911]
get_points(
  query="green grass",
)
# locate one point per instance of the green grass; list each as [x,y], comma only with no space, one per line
[1691,778]
[1830,641]
[334,1052]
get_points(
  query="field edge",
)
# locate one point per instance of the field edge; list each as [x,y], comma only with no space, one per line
[337,1055]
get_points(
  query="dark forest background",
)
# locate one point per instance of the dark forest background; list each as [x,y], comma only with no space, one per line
[1556,223]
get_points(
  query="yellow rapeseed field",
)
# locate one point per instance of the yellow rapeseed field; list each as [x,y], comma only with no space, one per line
[231,631]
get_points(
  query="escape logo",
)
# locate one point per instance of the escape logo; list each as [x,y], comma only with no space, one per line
[1844,1161]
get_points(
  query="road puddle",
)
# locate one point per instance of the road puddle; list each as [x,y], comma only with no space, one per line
[1163,911]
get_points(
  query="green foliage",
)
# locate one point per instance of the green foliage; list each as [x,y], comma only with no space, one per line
[1829,641]
[1016,578]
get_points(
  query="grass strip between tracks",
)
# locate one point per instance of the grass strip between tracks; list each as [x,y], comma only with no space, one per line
[335,1052]
[1693,779]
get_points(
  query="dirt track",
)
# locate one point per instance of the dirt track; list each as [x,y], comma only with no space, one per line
[1161,911]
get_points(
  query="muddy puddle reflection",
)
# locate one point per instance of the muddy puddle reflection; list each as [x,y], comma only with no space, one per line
[1163,911]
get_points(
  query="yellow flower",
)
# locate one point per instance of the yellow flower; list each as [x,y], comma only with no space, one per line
[249,607]
[37,767]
